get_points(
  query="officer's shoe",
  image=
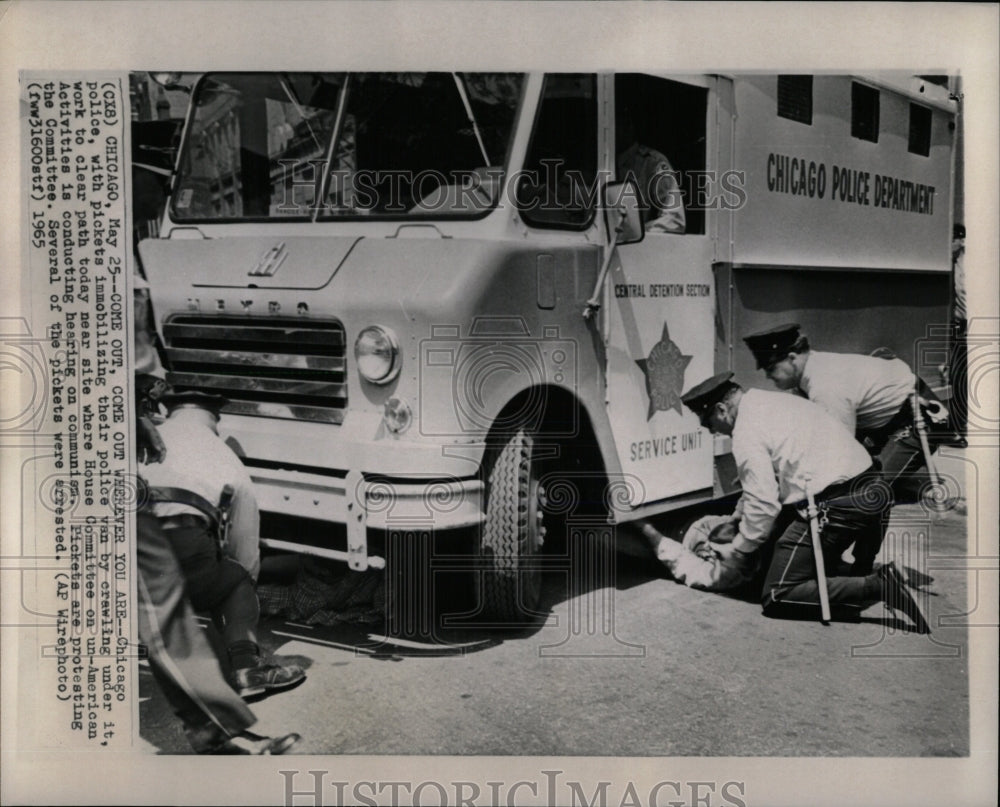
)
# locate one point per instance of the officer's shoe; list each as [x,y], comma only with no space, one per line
[247,742]
[266,677]
[897,596]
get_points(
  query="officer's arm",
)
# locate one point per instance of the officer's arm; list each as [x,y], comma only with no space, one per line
[668,201]
[761,503]
[149,444]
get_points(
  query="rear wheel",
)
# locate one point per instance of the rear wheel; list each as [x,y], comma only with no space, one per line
[513,533]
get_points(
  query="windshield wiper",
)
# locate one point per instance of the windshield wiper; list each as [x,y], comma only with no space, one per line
[460,84]
[327,164]
[290,92]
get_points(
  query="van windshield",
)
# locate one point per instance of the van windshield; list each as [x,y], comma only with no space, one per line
[321,146]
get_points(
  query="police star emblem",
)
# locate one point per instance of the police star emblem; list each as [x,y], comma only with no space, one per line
[664,371]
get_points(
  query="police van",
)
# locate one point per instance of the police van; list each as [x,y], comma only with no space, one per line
[439,305]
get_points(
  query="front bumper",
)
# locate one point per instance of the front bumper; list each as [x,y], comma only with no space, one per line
[315,474]
[360,505]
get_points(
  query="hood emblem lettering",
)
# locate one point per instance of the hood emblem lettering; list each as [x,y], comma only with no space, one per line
[270,261]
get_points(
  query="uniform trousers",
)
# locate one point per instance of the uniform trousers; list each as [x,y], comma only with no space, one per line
[959,371]
[857,513]
[215,583]
[897,446]
[180,656]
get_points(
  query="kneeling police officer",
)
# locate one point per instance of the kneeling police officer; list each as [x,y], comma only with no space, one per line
[785,448]
[202,498]
[871,395]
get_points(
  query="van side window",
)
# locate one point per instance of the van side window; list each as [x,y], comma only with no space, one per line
[660,142]
[795,98]
[920,130]
[559,185]
[864,112]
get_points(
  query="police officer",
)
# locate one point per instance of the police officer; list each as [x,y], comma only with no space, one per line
[216,720]
[870,395]
[959,370]
[198,460]
[663,201]
[782,445]
[187,489]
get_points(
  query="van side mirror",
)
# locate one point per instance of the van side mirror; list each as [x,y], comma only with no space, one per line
[623,212]
[623,218]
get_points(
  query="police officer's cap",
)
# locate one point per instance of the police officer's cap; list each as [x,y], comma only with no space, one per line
[772,345]
[196,399]
[702,397]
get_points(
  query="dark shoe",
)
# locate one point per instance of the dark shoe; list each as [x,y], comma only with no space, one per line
[896,595]
[265,677]
[249,743]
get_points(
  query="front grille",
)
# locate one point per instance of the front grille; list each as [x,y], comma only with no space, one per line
[277,367]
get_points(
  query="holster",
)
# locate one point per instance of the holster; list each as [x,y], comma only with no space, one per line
[219,518]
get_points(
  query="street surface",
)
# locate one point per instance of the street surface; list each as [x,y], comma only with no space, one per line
[640,667]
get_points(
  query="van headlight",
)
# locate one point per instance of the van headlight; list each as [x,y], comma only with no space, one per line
[376,351]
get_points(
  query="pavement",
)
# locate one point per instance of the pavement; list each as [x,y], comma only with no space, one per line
[629,663]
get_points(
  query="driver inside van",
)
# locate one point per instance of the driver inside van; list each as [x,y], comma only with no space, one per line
[662,199]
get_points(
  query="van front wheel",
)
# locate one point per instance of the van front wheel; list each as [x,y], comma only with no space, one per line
[513,533]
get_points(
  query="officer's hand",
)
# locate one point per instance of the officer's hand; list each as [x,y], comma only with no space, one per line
[697,536]
[728,555]
[738,510]
[148,391]
[934,412]
[149,444]
[725,532]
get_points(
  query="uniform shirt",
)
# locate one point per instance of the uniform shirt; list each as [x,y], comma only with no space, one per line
[862,392]
[658,187]
[199,461]
[779,438]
